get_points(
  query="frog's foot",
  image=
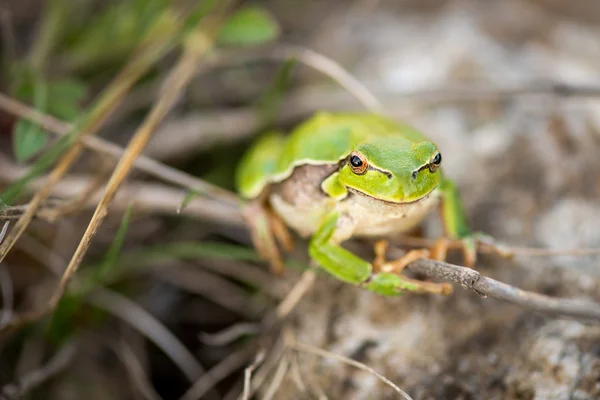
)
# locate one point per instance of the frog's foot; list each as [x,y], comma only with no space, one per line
[262,234]
[439,251]
[390,284]
[469,243]
[387,279]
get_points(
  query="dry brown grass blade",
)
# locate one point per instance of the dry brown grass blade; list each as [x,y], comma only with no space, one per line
[278,377]
[143,163]
[199,42]
[151,49]
[258,360]
[305,283]
[4,230]
[148,197]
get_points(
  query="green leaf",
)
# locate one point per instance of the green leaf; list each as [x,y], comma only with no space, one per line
[59,98]
[189,196]
[249,26]
[28,140]
[65,98]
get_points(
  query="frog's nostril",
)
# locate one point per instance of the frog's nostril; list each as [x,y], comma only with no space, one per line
[414,174]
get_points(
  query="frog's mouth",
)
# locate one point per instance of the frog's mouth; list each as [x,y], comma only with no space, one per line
[357,192]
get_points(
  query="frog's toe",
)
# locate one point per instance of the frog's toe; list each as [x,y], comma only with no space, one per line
[469,252]
[389,284]
[396,266]
[439,251]
[497,247]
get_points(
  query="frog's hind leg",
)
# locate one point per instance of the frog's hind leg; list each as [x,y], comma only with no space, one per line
[380,264]
[380,276]
[280,231]
[266,230]
[257,218]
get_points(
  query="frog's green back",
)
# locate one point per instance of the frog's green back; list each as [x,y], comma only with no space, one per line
[326,138]
[259,164]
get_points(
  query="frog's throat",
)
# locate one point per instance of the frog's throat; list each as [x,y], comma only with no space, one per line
[360,193]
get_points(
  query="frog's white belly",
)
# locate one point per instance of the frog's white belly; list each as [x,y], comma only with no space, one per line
[372,217]
[361,215]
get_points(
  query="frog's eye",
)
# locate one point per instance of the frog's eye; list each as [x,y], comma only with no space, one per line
[435,163]
[358,163]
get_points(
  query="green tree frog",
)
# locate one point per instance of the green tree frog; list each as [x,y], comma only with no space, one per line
[338,176]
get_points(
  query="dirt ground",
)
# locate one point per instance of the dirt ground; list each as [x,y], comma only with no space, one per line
[529,173]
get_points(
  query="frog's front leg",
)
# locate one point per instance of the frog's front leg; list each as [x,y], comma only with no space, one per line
[380,277]
[456,226]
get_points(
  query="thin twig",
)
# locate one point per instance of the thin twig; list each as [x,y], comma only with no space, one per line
[305,283]
[229,334]
[222,370]
[484,286]
[143,163]
[152,197]
[258,359]
[486,248]
[4,229]
[284,308]
[278,377]
[306,348]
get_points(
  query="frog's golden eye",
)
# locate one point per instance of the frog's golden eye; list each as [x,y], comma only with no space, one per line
[435,163]
[358,163]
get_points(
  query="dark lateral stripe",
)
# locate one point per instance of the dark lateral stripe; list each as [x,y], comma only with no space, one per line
[386,173]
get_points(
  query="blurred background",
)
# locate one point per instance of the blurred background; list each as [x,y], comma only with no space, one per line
[507,89]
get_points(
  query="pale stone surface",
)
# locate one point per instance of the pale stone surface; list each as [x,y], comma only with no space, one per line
[529,172]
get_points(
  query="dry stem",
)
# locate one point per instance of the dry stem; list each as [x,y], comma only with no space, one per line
[108,102]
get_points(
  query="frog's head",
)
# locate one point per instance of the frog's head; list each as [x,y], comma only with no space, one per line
[392,169]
